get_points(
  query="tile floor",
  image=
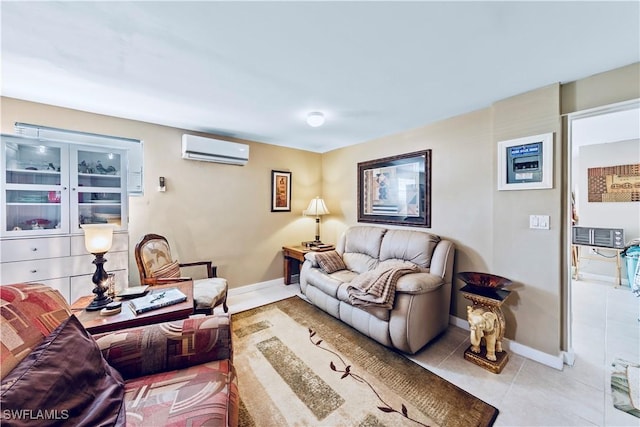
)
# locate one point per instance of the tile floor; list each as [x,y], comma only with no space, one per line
[528,393]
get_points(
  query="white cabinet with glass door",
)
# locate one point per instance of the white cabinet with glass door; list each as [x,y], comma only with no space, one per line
[35,188]
[49,189]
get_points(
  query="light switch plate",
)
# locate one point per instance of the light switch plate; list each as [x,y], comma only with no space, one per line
[539,222]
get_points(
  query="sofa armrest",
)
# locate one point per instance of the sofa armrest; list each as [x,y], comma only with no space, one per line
[442,260]
[311,257]
[418,283]
[167,346]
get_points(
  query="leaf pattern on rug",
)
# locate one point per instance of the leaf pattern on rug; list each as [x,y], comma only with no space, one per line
[346,372]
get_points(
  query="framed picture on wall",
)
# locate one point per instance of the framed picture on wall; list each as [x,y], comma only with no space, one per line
[280,191]
[396,190]
[526,163]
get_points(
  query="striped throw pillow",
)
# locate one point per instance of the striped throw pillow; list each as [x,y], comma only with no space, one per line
[330,261]
[169,270]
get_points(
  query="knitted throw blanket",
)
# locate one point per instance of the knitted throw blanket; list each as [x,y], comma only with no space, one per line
[378,286]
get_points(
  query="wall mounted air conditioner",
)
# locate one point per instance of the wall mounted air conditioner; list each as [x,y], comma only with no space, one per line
[214,150]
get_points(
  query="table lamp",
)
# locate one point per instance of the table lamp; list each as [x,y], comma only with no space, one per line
[98,239]
[317,207]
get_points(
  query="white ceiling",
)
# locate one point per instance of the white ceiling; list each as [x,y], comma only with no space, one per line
[253,70]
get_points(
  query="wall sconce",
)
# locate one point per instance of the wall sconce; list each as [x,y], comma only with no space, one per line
[317,207]
[98,239]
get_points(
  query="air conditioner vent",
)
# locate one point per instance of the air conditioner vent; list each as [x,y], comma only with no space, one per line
[214,150]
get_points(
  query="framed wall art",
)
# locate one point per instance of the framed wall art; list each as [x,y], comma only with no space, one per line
[526,163]
[280,191]
[620,183]
[396,190]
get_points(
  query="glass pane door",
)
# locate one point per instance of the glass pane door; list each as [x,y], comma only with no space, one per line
[33,188]
[100,187]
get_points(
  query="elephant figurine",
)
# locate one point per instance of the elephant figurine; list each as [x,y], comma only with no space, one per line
[484,326]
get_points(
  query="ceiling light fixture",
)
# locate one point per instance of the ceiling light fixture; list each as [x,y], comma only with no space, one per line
[315,119]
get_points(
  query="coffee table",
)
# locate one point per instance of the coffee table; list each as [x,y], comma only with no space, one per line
[95,323]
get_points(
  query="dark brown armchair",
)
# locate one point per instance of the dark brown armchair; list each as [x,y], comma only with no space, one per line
[157,266]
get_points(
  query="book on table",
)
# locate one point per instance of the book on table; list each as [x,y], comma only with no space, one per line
[322,247]
[157,299]
[133,291]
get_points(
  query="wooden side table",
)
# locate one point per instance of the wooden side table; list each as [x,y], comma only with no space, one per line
[95,323]
[293,258]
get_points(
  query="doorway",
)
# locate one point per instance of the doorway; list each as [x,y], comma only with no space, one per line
[602,317]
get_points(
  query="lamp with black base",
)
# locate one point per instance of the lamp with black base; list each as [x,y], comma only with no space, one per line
[98,239]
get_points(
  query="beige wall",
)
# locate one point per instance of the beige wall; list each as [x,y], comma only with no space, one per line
[209,211]
[530,258]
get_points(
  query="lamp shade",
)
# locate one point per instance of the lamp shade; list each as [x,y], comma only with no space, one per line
[98,238]
[317,207]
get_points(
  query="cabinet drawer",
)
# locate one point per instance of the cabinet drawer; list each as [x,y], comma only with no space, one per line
[120,243]
[34,270]
[30,249]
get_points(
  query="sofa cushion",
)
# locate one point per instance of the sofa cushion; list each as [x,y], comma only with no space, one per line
[30,312]
[325,282]
[330,261]
[200,395]
[414,246]
[209,292]
[364,240]
[380,312]
[66,378]
[419,283]
[166,346]
[358,262]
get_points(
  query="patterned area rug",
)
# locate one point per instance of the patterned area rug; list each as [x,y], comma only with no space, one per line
[298,366]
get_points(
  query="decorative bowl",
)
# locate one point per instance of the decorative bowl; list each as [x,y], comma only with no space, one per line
[483,280]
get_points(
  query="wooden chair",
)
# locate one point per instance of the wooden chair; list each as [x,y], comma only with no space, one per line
[157,266]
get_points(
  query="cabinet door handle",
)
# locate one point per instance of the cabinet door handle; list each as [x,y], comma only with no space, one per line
[34,271]
[64,188]
[34,249]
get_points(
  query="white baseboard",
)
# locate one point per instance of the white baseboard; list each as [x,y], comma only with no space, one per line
[550,360]
[256,286]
